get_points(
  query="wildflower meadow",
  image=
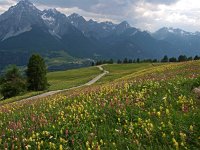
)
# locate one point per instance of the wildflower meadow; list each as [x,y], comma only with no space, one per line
[151,109]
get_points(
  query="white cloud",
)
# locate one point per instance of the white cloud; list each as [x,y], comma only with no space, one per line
[145,14]
[182,14]
[5,4]
[87,15]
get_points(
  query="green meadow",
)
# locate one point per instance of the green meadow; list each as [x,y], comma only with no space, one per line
[62,80]
[137,106]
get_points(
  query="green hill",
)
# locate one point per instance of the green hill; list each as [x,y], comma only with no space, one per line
[149,108]
[60,80]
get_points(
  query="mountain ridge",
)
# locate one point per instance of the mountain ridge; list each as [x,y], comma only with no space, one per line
[185,42]
[26,29]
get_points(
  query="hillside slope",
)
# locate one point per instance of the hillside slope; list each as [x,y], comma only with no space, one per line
[153,108]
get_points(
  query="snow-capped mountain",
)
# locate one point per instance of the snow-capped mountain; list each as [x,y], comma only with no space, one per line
[56,22]
[77,20]
[19,19]
[164,32]
[48,30]
[95,29]
[123,26]
[91,28]
[111,38]
[24,29]
[182,41]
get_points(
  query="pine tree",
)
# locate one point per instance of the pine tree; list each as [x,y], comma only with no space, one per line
[182,58]
[130,61]
[36,73]
[125,61]
[12,82]
[196,57]
[111,61]
[189,58]
[172,59]
[155,60]
[138,60]
[92,63]
[165,59]
[119,61]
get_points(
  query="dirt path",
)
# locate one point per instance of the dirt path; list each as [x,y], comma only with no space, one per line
[58,91]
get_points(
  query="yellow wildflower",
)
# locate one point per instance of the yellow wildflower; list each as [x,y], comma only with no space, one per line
[175,143]
[191,128]
[164,135]
[61,147]
[167,111]
[158,113]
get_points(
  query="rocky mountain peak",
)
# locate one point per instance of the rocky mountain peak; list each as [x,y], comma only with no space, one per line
[24,5]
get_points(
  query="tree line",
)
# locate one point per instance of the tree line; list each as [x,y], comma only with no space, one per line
[181,58]
[13,82]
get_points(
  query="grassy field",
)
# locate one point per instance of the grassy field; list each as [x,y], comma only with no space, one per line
[62,80]
[118,71]
[66,79]
[153,108]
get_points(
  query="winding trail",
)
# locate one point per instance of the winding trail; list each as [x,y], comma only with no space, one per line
[50,93]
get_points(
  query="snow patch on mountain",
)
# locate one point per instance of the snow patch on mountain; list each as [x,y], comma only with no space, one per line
[171,31]
[134,33]
[52,32]
[48,18]
[13,33]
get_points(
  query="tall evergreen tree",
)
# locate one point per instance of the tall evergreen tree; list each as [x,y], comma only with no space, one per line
[12,82]
[36,73]
[182,58]
[165,59]
[189,58]
[119,61]
[172,59]
[196,57]
[125,61]
[111,61]
[130,61]
[92,63]
[155,60]
[138,60]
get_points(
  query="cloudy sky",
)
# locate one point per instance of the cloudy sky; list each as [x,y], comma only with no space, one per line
[144,14]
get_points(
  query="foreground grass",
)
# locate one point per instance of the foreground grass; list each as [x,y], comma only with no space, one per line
[20,97]
[61,80]
[155,110]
